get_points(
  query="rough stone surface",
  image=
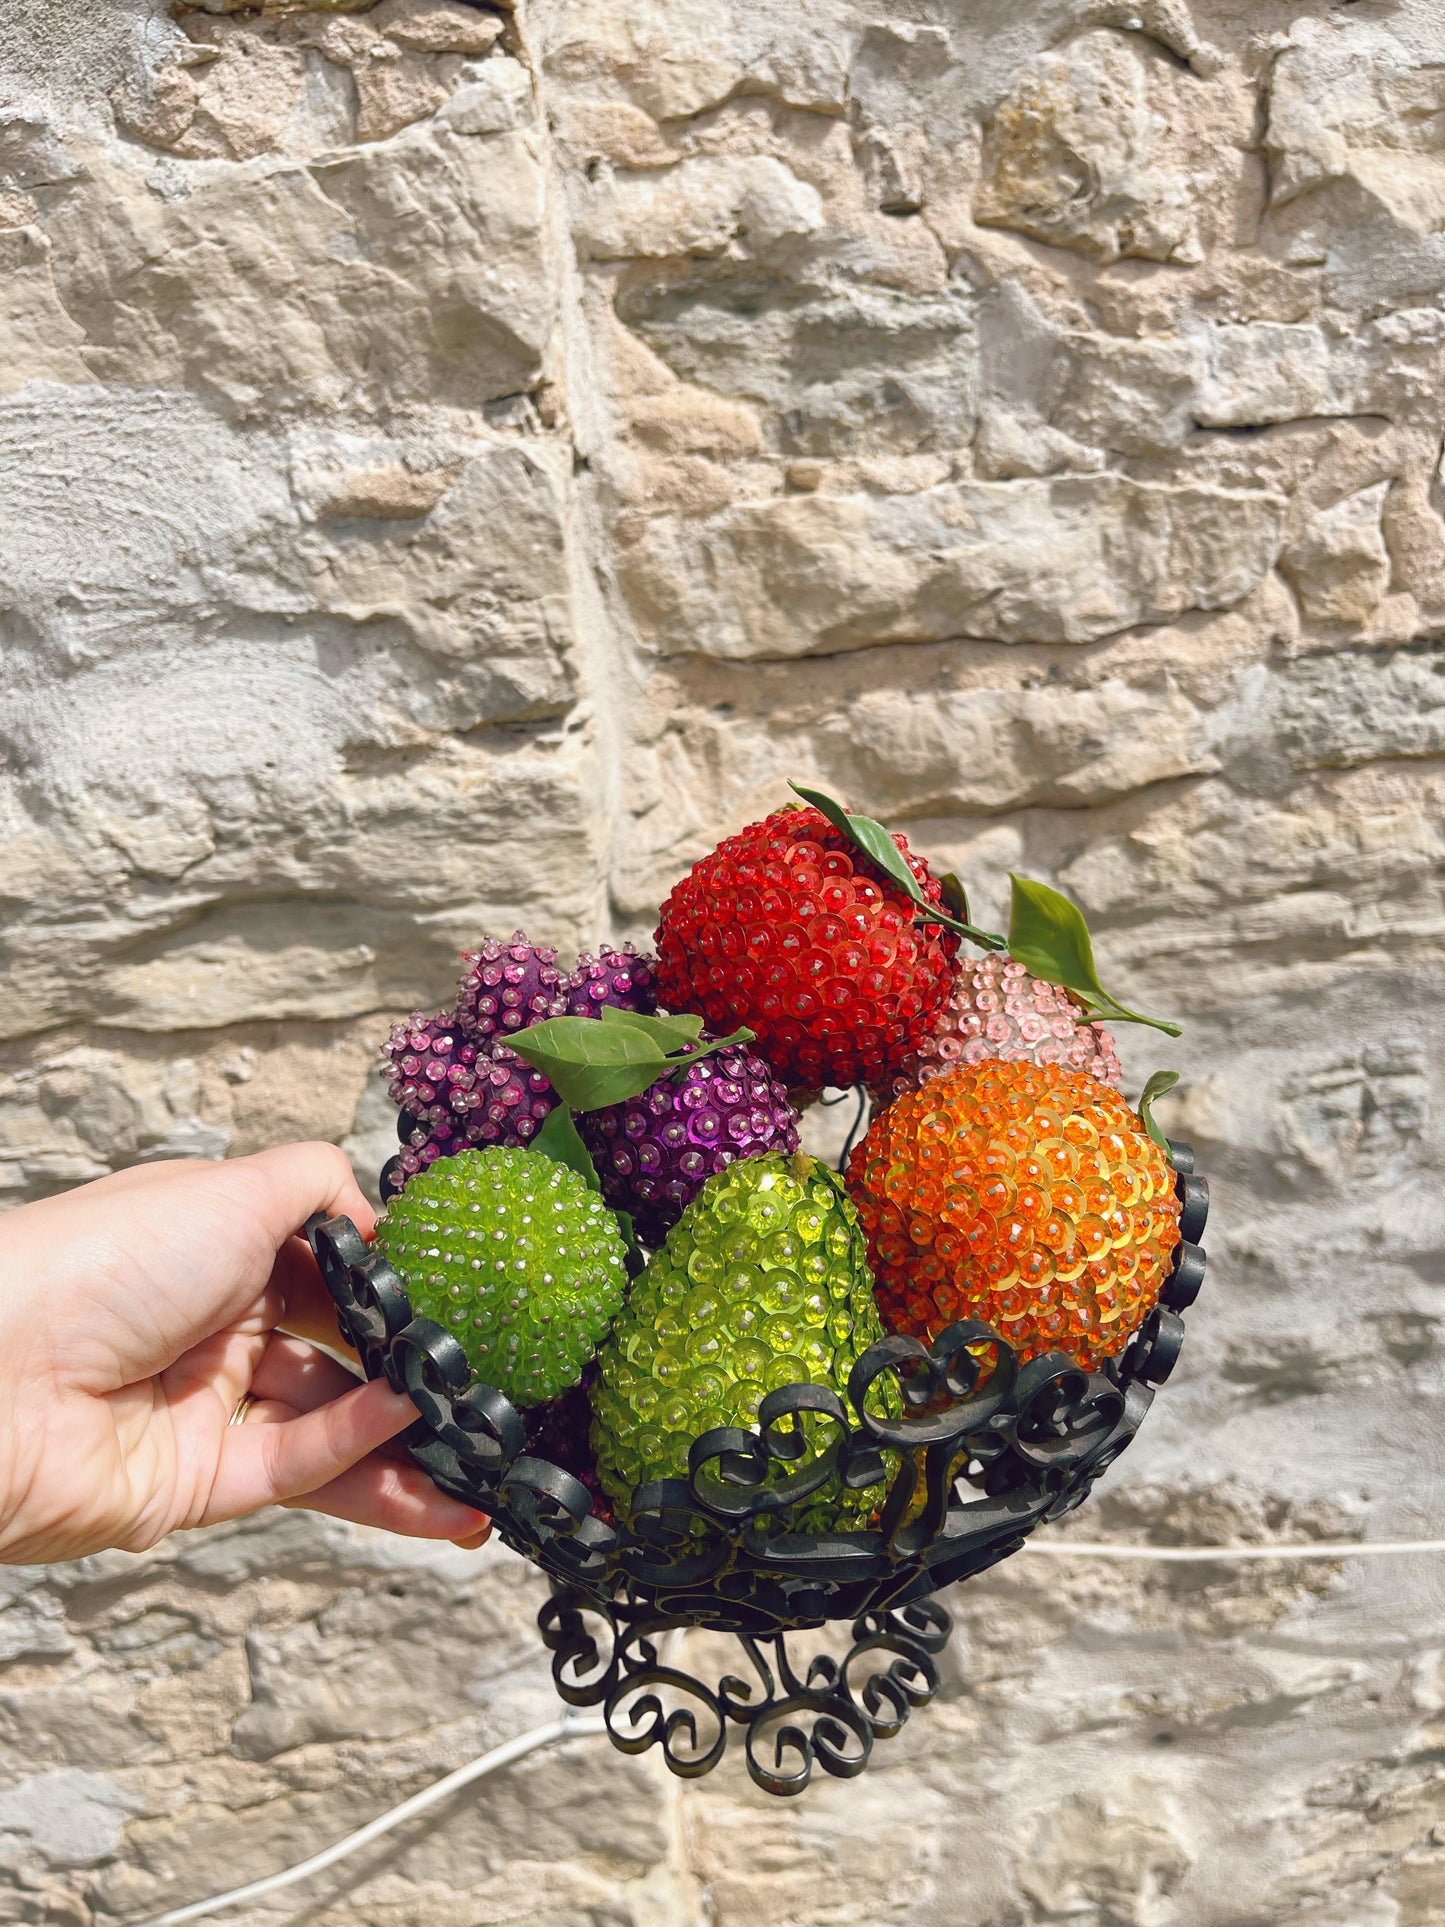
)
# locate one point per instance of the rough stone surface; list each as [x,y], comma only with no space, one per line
[454,462]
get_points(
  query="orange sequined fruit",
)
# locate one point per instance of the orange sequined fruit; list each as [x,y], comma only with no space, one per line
[1025,1195]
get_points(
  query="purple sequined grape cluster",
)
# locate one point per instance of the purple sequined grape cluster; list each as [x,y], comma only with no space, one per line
[506,986]
[484,1096]
[622,978]
[452,1076]
[655,1152]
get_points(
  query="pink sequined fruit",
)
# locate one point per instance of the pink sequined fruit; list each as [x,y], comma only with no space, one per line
[504,987]
[623,979]
[998,1010]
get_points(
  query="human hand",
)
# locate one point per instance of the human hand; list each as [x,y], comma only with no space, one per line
[135,1314]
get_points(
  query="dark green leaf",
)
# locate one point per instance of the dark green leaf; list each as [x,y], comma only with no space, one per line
[834,812]
[558,1139]
[954,894]
[637,1257]
[1049,937]
[669,1032]
[589,1064]
[877,844]
[680,1060]
[1160,1082]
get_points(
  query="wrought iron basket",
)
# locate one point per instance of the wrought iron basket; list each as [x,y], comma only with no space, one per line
[974,1462]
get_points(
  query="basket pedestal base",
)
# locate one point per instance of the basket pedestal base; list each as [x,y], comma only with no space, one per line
[792,1714]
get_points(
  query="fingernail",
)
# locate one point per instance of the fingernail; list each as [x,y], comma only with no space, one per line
[475,1539]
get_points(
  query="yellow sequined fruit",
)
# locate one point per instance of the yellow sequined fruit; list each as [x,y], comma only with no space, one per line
[763,1282]
[1025,1195]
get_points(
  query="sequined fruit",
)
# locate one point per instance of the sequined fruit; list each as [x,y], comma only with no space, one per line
[517,1258]
[787,929]
[623,978]
[1029,1196]
[454,1095]
[559,1431]
[504,986]
[997,1009]
[762,1283]
[431,1070]
[655,1152]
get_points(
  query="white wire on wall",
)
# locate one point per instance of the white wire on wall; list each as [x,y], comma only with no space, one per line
[578,1726]
[1193,1555]
[572,1726]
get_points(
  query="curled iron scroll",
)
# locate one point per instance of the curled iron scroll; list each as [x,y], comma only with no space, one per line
[968,1451]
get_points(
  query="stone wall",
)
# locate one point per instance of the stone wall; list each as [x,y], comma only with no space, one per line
[456,462]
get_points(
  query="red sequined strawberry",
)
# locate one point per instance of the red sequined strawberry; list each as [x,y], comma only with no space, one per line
[789,929]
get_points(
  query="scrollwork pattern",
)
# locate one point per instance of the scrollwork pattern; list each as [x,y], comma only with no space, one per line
[966,1448]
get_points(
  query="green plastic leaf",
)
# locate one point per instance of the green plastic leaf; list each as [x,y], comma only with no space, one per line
[1160,1082]
[730,1042]
[877,844]
[670,1032]
[637,1257]
[1049,937]
[590,1064]
[954,894]
[558,1139]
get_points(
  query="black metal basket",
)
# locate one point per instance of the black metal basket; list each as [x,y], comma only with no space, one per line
[975,1467]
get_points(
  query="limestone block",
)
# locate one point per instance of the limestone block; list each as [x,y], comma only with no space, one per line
[83,1112]
[38,340]
[1357,157]
[749,206]
[1068,560]
[403,270]
[233,95]
[1340,567]
[839,372]
[1070,157]
[1357,106]
[677,58]
[1124,1859]
[1269,371]
[1051,395]
[70,1818]
[313,700]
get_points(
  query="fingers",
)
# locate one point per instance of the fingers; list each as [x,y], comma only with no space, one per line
[398,1498]
[298,1376]
[295,1180]
[381,1490]
[267,1464]
[306,1306]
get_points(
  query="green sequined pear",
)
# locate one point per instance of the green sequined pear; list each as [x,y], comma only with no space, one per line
[517,1258]
[763,1282]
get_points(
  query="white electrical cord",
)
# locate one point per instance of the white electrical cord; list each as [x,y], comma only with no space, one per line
[576,1726]
[1311,1549]
[571,1726]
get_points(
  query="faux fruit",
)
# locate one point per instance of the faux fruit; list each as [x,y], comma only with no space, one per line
[622,979]
[431,1071]
[506,985]
[998,1010]
[788,928]
[517,1257]
[762,1283]
[457,1095]
[655,1151]
[1029,1196]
